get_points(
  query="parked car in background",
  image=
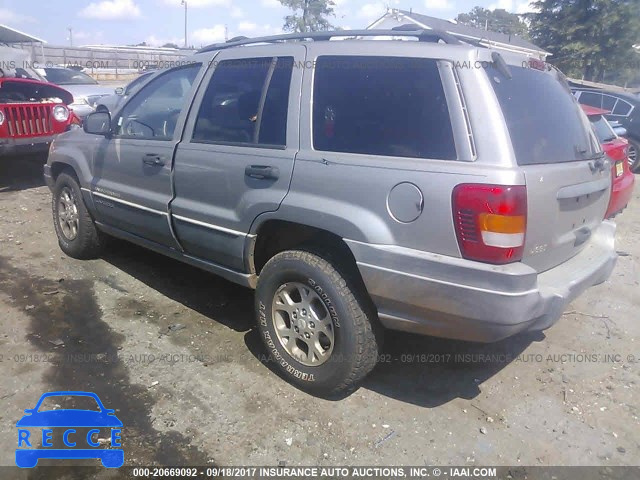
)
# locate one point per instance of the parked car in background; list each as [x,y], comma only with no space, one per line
[616,149]
[32,113]
[415,204]
[623,108]
[110,103]
[85,90]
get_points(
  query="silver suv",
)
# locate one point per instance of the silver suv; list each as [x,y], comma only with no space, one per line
[430,186]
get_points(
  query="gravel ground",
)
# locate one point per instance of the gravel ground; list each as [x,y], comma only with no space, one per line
[203,393]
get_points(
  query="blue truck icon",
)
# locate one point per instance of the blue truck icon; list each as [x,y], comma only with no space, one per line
[67,419]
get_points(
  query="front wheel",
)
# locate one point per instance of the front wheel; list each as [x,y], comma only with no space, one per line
[317,322]
[77,234]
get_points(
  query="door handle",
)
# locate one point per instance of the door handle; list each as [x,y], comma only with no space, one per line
[262,172]
[153,159]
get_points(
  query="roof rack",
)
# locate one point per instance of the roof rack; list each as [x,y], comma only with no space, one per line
[423,35]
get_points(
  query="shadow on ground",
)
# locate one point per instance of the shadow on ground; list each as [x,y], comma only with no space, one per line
[21,173]
[84,356]
[420,370]
[207,294]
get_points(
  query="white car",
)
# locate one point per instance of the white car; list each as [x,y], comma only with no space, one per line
[85,90]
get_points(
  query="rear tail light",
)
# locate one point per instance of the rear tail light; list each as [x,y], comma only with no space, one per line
[490,221]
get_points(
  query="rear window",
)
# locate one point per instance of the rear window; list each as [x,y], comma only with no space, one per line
[389,106]
[603,130]
[544,120]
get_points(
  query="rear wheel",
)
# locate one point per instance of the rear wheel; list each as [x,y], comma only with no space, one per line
[634,160]
[317,322]
[77,234]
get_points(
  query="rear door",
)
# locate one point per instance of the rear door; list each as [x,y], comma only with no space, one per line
[567,176]
[236,159]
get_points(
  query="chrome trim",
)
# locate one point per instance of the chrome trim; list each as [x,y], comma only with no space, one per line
[210,226]
[129,204]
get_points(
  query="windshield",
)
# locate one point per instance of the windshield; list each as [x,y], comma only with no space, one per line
[601,127]
[544,120]
[64,76]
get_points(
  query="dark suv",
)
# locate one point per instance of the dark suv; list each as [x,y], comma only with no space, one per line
[623,108]
[429,186]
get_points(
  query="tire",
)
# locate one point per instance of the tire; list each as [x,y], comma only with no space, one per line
[634,156]
[77,234]
[340,322]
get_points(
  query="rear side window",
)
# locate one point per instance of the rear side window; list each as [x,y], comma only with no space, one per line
[544,120]
[246,102]
[608,102]
[389,106]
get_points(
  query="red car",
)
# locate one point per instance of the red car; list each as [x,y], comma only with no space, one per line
[616,149]
[31,114]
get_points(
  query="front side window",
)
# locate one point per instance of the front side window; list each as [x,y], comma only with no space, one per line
[390,106]
[153,113]
[246,102]
[591,99]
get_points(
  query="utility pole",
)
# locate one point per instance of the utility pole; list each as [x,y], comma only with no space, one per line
[184,2]
[226,32]
[70,36]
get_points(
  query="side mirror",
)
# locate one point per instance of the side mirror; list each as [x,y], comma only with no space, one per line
[97,123]
[120,91]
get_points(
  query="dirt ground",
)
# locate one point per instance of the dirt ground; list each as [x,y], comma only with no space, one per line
[204,394]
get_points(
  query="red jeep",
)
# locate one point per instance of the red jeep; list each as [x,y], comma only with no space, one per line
[31,114]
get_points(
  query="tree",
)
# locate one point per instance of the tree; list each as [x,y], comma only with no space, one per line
[498,20]
[170,45]
[308,15]
[590,39]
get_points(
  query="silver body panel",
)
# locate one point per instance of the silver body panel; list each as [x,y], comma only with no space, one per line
[201,208]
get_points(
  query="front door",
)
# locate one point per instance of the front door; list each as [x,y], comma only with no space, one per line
[132,168]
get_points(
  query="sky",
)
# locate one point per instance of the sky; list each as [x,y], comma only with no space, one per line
[124,22]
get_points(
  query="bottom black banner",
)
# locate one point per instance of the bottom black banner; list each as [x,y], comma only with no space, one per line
[319,472]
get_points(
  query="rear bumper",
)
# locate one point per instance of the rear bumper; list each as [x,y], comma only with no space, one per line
[16,146]
[450,297]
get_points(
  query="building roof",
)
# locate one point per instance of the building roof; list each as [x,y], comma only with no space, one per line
[463,30]
[11,35]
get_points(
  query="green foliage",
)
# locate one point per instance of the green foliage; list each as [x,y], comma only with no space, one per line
[498,20]
[590,39]
[308,15]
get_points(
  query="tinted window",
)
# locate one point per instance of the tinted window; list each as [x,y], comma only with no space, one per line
[622,108]
[273,126]
[381,106]
[153,113]
[608,102]
[592,99]
[603,130]
[231,108]
[545,122]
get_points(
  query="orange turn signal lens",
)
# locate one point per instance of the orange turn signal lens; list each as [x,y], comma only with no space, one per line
[490,222]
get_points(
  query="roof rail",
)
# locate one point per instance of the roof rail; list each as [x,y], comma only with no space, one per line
[423,35]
